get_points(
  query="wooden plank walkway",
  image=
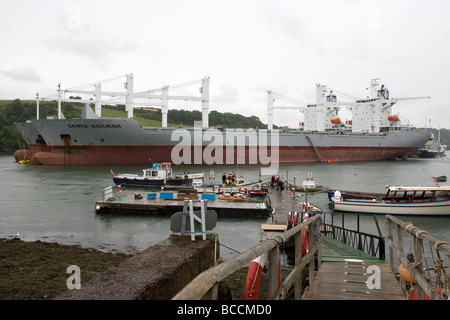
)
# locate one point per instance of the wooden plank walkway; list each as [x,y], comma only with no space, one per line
[343,273]
[347,281]
[282,203]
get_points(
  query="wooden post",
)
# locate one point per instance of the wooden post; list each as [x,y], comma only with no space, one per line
[312,261]
[273,272]
[418,258]
[398,262]
[298,259]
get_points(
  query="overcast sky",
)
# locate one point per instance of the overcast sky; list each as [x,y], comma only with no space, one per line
[245,47]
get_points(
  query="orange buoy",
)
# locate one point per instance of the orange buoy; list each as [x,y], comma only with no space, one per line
[42,178]
[405,273]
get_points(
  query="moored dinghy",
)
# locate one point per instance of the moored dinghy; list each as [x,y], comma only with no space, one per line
[426,201]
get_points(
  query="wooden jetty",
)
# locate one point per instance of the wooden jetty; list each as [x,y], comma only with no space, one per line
[334,270]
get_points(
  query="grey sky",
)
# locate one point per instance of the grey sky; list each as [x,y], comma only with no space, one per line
[246,47]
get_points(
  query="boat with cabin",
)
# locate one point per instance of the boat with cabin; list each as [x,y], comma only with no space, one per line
[160,174]
[425,201]
[238,184]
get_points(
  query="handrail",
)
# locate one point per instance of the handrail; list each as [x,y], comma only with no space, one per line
[357,239]
[205,285]
[397,256]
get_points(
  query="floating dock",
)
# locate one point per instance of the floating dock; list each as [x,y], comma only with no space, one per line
[170,202]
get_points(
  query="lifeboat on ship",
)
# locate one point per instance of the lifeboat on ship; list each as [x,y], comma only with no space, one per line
[336,120]
[393,118]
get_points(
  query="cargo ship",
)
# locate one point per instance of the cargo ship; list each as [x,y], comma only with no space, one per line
[374,133]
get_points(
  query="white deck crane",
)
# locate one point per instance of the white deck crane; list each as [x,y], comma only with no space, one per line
[132,99]
[271,96]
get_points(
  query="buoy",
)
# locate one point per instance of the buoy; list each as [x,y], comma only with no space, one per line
[405,273]
[305,238]
[254,277]
[42,178]
[413,294]
[294,222]
[97,207]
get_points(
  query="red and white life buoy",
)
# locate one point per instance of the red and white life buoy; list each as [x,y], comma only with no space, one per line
[305,207]
[254,277]
[413,294]
[292,219]
[294,222]
[305,238]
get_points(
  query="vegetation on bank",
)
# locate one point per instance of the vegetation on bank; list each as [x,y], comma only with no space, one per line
[21,110]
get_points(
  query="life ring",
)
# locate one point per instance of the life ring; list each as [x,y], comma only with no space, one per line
[305,207]
[305,238]
[292,219]
[294,222]
[254,277]
[413,294]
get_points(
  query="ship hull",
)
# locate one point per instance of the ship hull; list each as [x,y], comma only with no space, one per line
[144,155]
[123,141]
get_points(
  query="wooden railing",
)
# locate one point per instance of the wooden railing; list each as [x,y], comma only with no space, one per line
[428,268]
[205,285]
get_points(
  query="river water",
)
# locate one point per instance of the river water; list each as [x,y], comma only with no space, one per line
[56,203]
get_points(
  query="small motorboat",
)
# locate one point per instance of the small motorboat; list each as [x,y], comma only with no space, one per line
[159,175]
[426,201]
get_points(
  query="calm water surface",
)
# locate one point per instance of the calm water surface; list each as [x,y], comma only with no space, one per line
[56,203]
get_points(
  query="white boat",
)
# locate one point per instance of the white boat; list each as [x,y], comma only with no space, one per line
[159,175]
[238,185]
[427,201]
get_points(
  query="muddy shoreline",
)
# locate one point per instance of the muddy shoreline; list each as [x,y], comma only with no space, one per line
[38,270]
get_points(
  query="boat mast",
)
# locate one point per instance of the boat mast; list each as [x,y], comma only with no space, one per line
[59,101]
[37,106]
